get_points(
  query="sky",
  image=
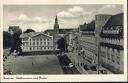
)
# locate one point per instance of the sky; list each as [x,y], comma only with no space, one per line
[42,17]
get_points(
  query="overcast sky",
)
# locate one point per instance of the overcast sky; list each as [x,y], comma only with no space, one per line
[41,17]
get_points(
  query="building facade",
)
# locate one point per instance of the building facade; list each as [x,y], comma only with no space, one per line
[36,41]
[83,48]
[99,44]
[111,45]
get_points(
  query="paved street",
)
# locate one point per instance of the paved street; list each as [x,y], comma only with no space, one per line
[64,62]
[89,71]
[46,64]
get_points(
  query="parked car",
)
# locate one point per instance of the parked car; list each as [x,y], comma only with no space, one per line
[93,68]
[71,65]
[103,71]
[86,67]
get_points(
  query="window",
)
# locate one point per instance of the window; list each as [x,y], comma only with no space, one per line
[37,39]
[40,43]
[44,43]
[103,54]
[113,58]
[40,48]
[37,43]
[48,47]
[33,43]
[83,53]
[48,43]
[26,43]
[108,56]
[118,60]
[30,48]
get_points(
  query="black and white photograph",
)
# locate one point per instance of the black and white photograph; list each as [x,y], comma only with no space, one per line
[63,39]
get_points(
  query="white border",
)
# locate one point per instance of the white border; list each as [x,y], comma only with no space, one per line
[67,78]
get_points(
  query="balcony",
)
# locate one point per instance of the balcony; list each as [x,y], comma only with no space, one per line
[114,46]
[111,31]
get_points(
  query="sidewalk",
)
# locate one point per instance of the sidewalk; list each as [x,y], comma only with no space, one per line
[81,69]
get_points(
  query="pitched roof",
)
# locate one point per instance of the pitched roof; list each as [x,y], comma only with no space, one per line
[42,34]
[115,20]
[32,34]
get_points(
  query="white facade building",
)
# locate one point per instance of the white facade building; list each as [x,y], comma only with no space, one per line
[36,41]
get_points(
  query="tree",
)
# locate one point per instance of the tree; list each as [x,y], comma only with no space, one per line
[62,44]
[29,30]
[16,45]
[6,39]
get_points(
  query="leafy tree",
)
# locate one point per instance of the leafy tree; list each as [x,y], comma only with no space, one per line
[7,39]
[29,30]
[16,45]
[62,45]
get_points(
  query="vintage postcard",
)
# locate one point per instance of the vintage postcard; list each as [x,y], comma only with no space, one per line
[63,40]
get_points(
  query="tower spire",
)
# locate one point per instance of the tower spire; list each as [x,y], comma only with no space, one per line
[56,20]
[56,25]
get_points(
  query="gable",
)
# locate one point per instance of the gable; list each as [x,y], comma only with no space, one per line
[41,36]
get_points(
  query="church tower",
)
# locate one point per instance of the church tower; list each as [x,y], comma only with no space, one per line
[56,26]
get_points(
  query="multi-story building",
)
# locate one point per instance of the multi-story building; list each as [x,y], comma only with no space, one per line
[99,44]
[111,45]
[36,41]
[83,44]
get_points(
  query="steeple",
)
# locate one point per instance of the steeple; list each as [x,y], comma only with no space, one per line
[56,26]
[56,20]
